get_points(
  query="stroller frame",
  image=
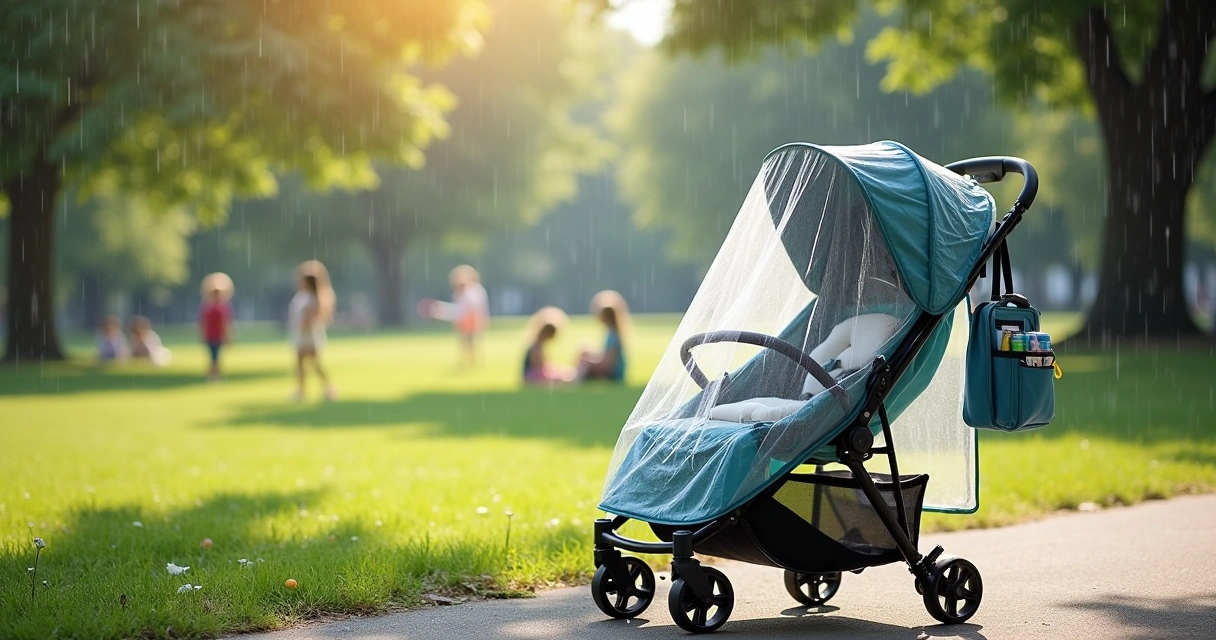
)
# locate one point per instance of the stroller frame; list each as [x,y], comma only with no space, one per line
[623,587]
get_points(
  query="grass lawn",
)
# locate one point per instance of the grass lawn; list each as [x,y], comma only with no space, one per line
[402,487]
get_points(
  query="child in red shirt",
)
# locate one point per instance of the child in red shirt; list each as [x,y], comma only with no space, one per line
[215,317]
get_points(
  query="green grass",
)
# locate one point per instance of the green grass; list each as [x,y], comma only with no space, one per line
[373,501]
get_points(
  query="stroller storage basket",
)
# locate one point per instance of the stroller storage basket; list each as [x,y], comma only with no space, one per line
[816,523]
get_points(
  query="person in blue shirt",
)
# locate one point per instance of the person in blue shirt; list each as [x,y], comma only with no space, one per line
[610,309]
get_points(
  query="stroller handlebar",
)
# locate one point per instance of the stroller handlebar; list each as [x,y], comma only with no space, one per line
[994,168]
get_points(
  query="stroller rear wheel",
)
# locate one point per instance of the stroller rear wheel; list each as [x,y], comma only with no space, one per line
[624,599]
[812,589]
[953,590]
[695,616]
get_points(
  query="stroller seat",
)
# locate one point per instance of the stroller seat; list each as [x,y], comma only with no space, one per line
[850,346]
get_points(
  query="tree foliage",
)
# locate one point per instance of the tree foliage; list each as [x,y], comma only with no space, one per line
[193,103]
[695,130]
[1142,68]
[515,150]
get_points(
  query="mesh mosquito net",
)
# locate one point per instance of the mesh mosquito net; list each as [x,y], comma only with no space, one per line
[805,273]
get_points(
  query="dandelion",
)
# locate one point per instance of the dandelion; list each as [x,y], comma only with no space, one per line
[244,562]
[354,538]
[175,570]
[39,545]
[137,524]
[554,522]
[189,588]
[481,511]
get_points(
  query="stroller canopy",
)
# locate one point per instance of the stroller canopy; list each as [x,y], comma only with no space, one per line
[933,221]
[835,251]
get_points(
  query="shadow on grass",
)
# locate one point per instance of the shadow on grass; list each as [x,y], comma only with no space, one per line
[1144,617]
[589,415]
[75,378]
[107,577]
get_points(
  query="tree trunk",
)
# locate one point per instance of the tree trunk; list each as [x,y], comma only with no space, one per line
[388,252]
[31,305]
[1155,135]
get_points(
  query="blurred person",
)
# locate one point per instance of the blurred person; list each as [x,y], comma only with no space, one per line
[145,343]
[609,364]
[543,328]
[310,311]
[469,310]
[215,317]
[111,343]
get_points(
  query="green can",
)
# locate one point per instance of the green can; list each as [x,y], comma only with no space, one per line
[1018,342]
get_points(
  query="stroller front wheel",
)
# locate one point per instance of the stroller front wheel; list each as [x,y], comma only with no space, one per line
[624,598]
[812,589]
[953,590]
[695,616]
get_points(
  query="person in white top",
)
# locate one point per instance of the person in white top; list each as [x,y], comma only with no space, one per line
[469,310]
[310,311]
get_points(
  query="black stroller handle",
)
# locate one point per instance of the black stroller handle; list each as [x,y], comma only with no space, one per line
[761,340]
[994,168]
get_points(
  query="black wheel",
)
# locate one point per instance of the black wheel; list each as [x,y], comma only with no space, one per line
[953,591]
[628,599]
[694,616]
[812,589]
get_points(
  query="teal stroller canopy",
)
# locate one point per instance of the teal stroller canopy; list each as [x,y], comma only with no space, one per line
[833,255]
[933,220]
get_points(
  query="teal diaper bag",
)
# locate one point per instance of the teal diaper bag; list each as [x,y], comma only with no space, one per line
[1007,390]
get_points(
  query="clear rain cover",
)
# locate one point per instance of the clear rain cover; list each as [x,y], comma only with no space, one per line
[805,262]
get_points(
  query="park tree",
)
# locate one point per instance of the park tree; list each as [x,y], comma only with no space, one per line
[194,103]
[516,148]
[1142,68]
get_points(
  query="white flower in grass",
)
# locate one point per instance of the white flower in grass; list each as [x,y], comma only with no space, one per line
[137,524]
[481,511]
[40,543]
[175,570]
[189,588]
[244,562]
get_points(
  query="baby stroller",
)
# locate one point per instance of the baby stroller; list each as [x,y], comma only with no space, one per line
[831,312]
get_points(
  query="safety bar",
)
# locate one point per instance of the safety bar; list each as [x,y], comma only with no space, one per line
[994,168]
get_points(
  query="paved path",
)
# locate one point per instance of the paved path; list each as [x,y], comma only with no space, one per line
[1142,572]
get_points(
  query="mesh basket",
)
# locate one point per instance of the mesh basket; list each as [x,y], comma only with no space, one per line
[817,523]
[834,504]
